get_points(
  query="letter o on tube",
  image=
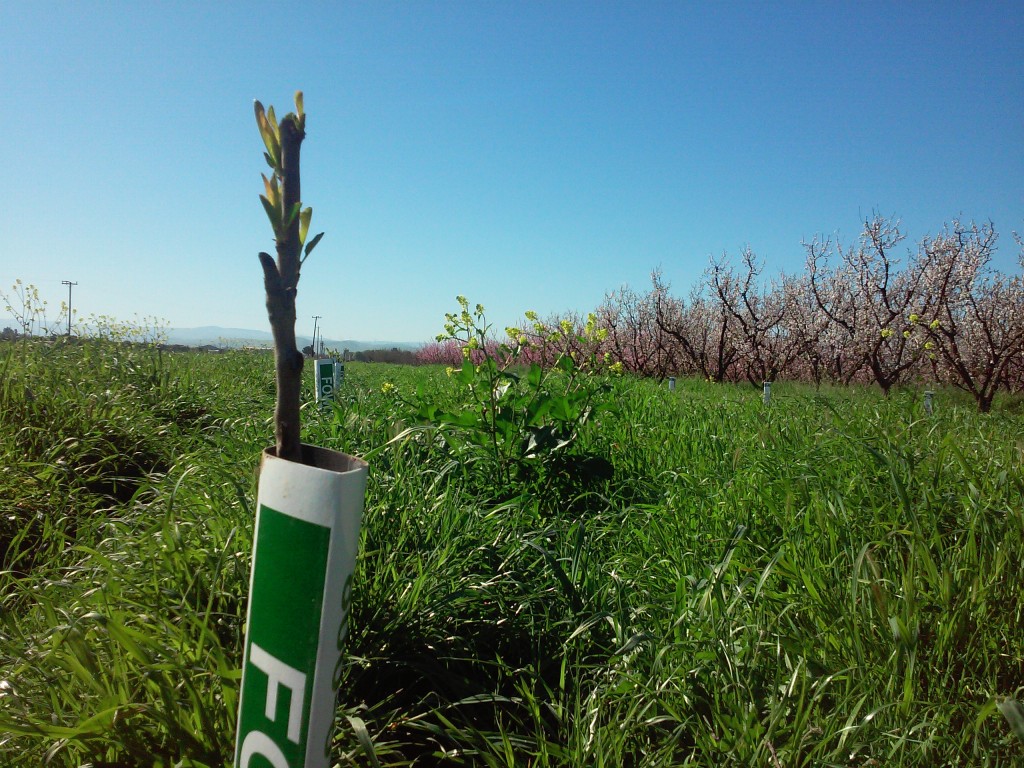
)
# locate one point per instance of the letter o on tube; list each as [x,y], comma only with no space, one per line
[339,666]
[346,603]
[257,743]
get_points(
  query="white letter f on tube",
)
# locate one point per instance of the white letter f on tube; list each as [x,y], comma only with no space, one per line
[281,675]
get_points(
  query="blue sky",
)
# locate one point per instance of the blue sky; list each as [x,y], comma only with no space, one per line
[530,155]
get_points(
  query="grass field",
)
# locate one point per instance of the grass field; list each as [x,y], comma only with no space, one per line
[834,579]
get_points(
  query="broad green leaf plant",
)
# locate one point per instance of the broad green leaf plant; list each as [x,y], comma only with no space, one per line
[519,417]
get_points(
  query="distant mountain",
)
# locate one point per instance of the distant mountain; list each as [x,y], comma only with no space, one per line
[214,334]
[247,337]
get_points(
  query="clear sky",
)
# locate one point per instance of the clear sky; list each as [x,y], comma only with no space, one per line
[530,155]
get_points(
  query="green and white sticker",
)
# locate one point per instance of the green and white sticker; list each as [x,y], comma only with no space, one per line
[327,379]
[307,532]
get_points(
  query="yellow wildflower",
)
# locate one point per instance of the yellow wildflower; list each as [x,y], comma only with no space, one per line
[886,333]
[387,387]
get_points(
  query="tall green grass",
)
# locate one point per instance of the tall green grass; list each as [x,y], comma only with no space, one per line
[831,580]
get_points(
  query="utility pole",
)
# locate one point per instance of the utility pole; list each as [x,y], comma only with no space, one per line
[68,283]
[316,319]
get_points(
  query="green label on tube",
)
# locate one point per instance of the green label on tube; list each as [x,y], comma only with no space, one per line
[325,379]
[286,603]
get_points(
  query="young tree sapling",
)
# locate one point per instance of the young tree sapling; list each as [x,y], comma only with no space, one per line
[290,223]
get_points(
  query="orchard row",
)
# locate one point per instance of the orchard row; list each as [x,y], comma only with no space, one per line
[859,314]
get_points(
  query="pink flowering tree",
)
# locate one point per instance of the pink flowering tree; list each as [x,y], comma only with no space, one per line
[634,337]
[975,330]
[699,333]
[764,346]
[447,352]
[812,333]
[871,299]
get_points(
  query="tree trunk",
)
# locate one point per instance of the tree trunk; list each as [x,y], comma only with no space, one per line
[281,281]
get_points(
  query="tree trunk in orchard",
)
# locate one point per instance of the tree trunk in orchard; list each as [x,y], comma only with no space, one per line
[281,280]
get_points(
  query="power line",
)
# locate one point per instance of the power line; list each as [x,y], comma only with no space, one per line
[316,319]
[68,283]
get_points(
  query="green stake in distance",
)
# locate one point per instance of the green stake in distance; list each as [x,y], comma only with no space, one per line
[307,532]
[326,372]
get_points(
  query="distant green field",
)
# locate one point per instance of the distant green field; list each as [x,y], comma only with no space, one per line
[833,579]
